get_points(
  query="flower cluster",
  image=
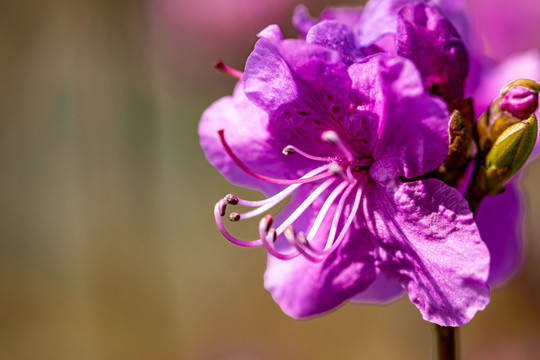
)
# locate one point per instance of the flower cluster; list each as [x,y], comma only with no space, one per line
[351,121]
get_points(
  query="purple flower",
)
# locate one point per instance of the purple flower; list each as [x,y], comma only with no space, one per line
[344,134]
[434,35]
[414,30]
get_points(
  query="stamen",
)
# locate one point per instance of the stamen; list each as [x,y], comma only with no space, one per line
[329,249]
[333,138]
[348,222]
[338,170]
[234,216]
[335,221]
[290,149]
[231,199]
[307,202]
[294,240]
[265,223]
[219,65]
[221,206]
[324,209]
[266,178]
[282,194]
[219,212]
[337,215]
[268,240]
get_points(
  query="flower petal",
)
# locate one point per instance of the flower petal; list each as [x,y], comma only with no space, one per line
[302,21]
[404,127]
[382,291]
[303,288]
[500,219]
[430,243]
[378,19]
[246,132]
[303,87]
[337,36]
[434,46]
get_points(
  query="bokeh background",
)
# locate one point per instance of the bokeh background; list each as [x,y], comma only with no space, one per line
[108,249]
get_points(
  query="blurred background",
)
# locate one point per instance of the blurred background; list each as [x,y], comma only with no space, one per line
[108,248]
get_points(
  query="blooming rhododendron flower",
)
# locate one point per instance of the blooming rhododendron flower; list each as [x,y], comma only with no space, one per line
[421,31]
[349,137]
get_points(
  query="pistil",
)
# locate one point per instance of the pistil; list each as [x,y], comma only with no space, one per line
[220,65]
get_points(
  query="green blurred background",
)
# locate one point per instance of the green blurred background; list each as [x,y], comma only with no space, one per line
[108,248]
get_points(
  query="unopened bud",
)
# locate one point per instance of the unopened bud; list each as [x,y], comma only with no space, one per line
[509,153]
[520,101]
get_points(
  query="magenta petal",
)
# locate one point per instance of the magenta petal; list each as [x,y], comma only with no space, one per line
[295,75]
[382,291]
[405,128]
[345,14]
[303,87]
[246,132]
[432,43]
[302,21]
[378,19]
[303,288]
[431,244]
[500,219]
[337,36]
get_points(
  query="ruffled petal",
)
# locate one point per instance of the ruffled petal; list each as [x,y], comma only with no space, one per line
[434,46]
[246,132]
[303,87]
[378,19]
[430,243]
[500,219]
[302,21]
[337,36]
[404,127]
[303,288]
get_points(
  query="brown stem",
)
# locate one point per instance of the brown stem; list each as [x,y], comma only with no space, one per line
[446,342]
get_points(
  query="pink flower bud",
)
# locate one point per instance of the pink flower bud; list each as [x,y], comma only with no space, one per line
[520,101]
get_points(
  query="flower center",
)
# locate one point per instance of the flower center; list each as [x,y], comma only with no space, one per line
[338,181]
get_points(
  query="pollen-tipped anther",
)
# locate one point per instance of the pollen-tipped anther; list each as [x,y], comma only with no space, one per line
[288,150]
[265,223]
[333,138]
[221,206]
[271,235]
[302,239]
[231,199]
[234,216]
[289,234]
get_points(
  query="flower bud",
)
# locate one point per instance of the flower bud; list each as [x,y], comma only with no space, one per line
[509,152]
[520,101]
